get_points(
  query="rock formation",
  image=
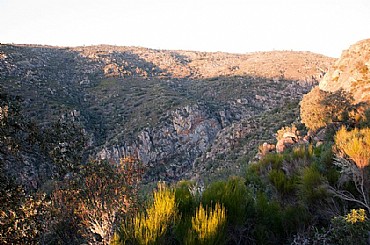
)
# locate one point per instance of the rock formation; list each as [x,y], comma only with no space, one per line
[351,72]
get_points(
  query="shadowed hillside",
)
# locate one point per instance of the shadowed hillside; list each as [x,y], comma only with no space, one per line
[174,110]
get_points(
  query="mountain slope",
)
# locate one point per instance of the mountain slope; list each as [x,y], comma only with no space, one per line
[177,111]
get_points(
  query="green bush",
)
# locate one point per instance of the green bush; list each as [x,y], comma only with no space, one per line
[352,229]
[295,218]
[273,160]
[311,187]
[283,184]
[185,200]
[302,152]
[233,195]
[268,221]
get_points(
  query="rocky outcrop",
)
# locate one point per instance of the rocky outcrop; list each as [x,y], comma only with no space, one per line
[351,72]
[173,146]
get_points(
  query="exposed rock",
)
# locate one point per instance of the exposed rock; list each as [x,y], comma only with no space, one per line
[184,136]
[285,143]
[351,72]
[264,149]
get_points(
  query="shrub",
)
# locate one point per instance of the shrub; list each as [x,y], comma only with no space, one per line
[352,228]
[355,144]
[319,108]
[103,194]
[283,184]
[311,187]
[208,225]
[270,161]
[268,224]
[312,112]
[150,226]
[302,152]
[232,194]
[295,218]
[185,199]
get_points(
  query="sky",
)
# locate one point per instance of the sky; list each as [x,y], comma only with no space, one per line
[321,26]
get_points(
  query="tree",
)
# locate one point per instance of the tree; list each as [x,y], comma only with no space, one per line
[22,216]
[312,112]
[99,195]
[319,108]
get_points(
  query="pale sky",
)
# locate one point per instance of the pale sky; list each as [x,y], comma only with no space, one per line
[320,26]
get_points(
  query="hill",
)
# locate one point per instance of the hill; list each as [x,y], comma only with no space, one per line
[180,113]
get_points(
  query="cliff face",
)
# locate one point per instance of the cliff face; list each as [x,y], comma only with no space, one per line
[180,112]
[351,72]
[172,147]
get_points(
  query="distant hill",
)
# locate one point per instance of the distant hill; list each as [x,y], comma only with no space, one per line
[182,113]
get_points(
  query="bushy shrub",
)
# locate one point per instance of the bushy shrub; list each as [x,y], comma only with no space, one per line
[302,152]
[186,200]
[311,188]
[319,108]
[295,218]
[355,144]
[312,112]
[151,225]
[268,221]
[352,229]
[233,195]
[208,225]
[283,184]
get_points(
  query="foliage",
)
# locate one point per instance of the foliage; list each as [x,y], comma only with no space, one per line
[208,225]
[186,200]
[319,108]
[268,224]
[23,214]
[233,194]
[312,112]
[352,228]
[64,141]
[151,225]
[22,217]
[355,144]
[94,201]
[15,129]
[311,187]
[281,182]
